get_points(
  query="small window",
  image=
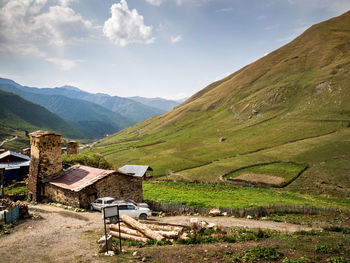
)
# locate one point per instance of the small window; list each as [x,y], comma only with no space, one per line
[109,201]
[131,207]
[98,201]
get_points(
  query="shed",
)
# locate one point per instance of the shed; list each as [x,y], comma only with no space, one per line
[136,170]
[14,165]
[80,185]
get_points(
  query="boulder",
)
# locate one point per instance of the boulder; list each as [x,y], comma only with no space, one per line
[214,212]
[102,243]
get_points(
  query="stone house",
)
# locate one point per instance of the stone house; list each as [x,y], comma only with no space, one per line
[78,185]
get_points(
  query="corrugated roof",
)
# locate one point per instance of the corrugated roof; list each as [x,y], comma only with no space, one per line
[78,177]
[135,170]
[8,153]
[14,164]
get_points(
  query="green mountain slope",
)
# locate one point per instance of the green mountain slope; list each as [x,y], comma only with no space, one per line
[18,115]
[292,105]
[92,120]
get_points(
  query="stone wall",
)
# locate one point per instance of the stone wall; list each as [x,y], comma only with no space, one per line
[116,185]
[46,161]
[61,195]
[72,147]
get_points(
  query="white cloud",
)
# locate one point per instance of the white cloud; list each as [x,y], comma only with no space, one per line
[176,39]
[33,27]
[33,24]
[155,2]
[225,10]
[65,64]
[126,26]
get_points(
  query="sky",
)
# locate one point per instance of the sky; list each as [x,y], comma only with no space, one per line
[148,48]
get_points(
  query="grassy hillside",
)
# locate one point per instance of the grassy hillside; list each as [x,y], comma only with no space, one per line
[18,115]
[292,105]
[93,121]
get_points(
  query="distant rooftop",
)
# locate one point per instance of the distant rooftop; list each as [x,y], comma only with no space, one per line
[135,170]
[11,159]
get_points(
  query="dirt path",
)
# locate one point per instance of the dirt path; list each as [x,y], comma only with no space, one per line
[238,222]
[8,140]
[57,235]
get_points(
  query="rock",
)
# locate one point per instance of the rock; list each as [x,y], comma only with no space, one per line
[134,254]
[144,259]
[222,139]
[249,217]
[184,236]
[211,225]
[264,218]
[102,243]
[194,222]
[224,213]
[214,212]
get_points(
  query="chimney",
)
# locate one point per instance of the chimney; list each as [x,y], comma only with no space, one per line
[45,161]
[72,147]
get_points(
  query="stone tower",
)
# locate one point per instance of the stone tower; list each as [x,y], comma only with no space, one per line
[45,161]
[72,147]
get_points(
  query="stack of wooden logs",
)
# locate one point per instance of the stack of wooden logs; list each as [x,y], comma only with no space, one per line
[142,231]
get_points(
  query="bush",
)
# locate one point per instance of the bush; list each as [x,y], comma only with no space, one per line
[230,239]
[93,160]
[297,260]
[265,253]
[338,260]
[324,249]
[344,230]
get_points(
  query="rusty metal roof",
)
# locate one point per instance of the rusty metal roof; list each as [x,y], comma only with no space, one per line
[78,177]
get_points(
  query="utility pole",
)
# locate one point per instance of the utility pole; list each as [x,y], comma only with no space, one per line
[2,175]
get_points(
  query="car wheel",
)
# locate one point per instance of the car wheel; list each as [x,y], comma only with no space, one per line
[143,216]
[91,208]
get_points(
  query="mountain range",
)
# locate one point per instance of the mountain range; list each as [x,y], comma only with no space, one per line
[85,115]
[292,105]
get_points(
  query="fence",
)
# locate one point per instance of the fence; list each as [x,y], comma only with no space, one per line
[177,209]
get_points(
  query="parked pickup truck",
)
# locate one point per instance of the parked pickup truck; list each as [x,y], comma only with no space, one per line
[126,207]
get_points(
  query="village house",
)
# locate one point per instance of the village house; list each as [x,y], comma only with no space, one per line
[13,166]
[78,185]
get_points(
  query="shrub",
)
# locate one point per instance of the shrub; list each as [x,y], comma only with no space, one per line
[297,260]
[265,253]
[344,230]
[324,249]
[338,260]
[230,239]
[93,160]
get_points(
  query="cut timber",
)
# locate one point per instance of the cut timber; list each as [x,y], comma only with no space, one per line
[127,230]
[149,222]
[128,237]
[169,234]
[163,227]
[142,228]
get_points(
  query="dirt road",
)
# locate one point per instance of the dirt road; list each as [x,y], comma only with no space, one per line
[59,235]
[238,222]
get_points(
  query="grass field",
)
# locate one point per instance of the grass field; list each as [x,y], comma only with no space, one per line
[209,195]
[283,171]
